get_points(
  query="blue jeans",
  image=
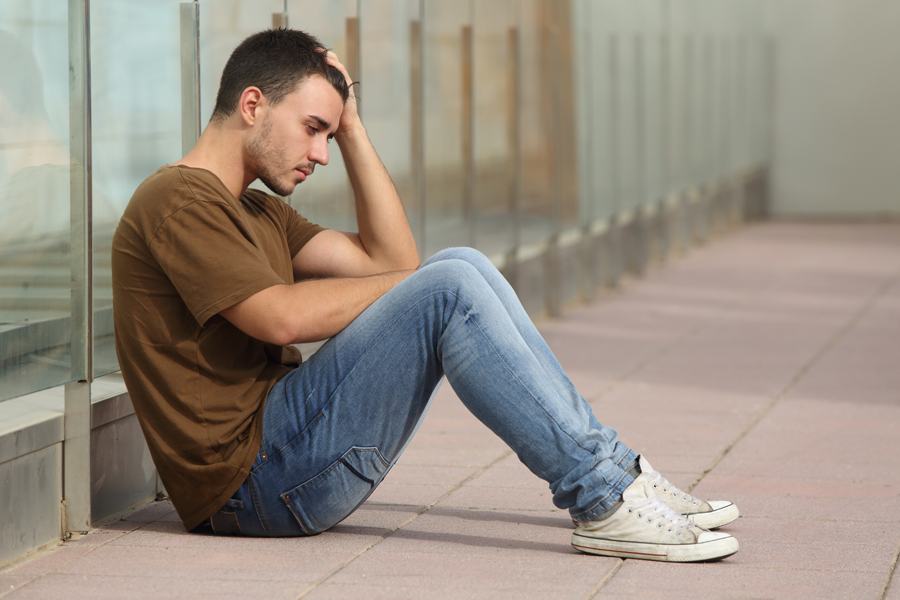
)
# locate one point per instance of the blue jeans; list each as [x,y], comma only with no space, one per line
[335,426]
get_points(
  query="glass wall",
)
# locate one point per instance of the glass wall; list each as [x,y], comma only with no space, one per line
[36,260]
[135,127]
[505,124]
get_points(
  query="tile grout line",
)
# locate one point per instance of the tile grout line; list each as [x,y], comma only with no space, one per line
[829,344]
[620,562]
[890,577]
[63,544]
[388,534]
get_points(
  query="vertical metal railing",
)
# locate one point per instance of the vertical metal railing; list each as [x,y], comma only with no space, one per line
[190,75]
[514,131]
[417,126]
[352,57]
[467,129]
[76,511]
[554,279]
[280,19]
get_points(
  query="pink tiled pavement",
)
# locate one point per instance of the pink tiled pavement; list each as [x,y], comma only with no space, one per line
[762,367]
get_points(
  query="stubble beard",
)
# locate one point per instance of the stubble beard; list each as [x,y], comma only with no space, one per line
[268,162]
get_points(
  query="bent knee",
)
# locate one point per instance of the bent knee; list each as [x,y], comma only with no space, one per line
[452,275]
[469,255]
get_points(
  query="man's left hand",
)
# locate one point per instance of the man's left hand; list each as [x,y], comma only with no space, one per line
[350,117]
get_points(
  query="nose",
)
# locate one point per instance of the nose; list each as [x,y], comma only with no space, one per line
[319,152]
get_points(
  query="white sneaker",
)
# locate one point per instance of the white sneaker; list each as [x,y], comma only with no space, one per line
[709,515]
[645,527]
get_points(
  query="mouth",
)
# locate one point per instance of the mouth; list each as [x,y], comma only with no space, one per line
[303,172]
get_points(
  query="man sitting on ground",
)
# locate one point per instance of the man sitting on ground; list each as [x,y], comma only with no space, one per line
[213,282]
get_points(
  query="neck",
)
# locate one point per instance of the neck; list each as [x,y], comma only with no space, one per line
[220,151]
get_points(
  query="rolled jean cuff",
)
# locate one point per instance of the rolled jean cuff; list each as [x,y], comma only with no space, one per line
[615,495]
[626,460]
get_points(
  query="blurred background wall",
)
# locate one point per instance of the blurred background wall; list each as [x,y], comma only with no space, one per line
[835,143]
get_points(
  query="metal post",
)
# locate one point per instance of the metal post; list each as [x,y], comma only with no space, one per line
[616,235]
[417,129]
[514,131]
[640,247]
[467,88]
[190,75]
[352,56]
[76,445]
[665,218]
[554,280]
[280,20]
[586,261]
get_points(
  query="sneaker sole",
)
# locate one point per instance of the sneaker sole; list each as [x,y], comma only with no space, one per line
[712,550]
[715,518]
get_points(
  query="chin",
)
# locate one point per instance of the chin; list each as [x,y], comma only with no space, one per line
[282,189]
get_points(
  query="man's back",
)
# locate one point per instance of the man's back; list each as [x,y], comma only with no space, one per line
[184,250]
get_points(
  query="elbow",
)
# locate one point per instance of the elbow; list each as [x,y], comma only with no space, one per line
[288,330]
[281,337]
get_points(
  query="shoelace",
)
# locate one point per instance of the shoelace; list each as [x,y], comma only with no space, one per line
[658,481]
[656,509]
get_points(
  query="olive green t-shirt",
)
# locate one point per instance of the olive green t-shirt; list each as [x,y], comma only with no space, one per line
[184,250]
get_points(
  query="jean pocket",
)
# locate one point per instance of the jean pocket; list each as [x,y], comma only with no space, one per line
[330,497]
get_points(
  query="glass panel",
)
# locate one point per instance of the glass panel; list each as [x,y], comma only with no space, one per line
[602,139]
[388,30]
[561,71]
[650,90]
[35,263]
[493,130]
[445,176]
[683,98]
[136,127]
[536,216]
[626,87]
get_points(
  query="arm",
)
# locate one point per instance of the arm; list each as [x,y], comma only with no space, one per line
[385,241]
[311,310]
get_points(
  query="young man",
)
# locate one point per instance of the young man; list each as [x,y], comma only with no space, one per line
[213,281]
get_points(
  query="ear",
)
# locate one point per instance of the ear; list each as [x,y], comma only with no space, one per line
[250,105]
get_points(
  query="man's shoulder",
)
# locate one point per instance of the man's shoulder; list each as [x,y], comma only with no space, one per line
[168,191]
[171,187]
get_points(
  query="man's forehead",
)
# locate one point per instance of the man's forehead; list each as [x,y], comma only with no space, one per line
[317,98]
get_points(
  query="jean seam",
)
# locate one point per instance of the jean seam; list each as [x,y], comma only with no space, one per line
[305,429]
[522,384]
[260,511]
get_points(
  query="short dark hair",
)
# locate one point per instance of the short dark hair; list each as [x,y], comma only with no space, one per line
[276,61]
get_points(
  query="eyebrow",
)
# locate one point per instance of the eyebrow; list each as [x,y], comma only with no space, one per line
[321,121]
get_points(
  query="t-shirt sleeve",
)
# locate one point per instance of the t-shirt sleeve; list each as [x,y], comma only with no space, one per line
[209,257]
[299,230]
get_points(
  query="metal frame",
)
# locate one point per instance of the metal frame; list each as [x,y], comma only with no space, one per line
[190,75]
[77,443]
[417,121]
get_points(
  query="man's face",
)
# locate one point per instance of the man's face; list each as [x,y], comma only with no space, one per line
[292,137]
